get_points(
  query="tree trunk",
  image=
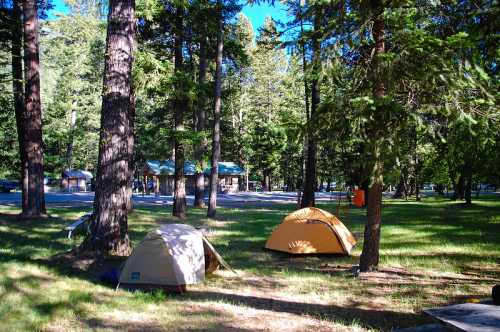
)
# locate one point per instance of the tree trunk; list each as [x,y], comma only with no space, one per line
[459,188]
[69,146]
[144,184]
[307,108]
[214,175]
[468,187]
[247,187]
[308,198]
[179,205]
[200,126]
[266,180]
[417,187]
[411,187]
[417,166]
[130,143]
[156,184]
[365,186]
[401,187]
[33,113]
[370,255]
[17,89]
[304,66]
[440,189]
[109,229]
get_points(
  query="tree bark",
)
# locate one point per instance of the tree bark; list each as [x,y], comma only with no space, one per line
[214,175]
[459,188]
[417,186]
[308,198]
[69,146]
[468,187]
[179,205]
[266,180]
[365,186]
[200,126]
[306,97]
[130,143]
[33,113]
[247,184]
[304,66]
[109,229]
[17,89]
[370,255]
[417,166]
[402,187]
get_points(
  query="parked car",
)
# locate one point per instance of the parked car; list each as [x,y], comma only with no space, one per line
[138,185]
[486,187]
[7,185]
[428,186]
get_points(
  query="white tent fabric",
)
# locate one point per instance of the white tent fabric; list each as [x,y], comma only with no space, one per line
[171,255]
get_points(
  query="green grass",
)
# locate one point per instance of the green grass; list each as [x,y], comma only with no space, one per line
[432,253]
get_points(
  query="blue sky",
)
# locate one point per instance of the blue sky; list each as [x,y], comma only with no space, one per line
[256,13]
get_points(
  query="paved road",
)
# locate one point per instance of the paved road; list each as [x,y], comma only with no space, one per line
[59,199]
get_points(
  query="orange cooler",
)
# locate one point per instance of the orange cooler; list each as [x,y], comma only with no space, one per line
[359,197]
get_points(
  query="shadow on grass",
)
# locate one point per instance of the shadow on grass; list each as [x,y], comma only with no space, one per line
[369,318]
[33,308]
[411,231]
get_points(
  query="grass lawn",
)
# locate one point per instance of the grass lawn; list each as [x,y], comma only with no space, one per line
[433,253]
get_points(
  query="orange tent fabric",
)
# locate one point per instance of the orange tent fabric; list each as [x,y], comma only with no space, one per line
[311,231]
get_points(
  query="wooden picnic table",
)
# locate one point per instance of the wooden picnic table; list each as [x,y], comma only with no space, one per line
[83,219]
[468,317]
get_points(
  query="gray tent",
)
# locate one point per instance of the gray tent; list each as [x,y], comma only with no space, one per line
[172,255]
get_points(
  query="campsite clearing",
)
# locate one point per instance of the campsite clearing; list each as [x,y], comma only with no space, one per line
[433,253]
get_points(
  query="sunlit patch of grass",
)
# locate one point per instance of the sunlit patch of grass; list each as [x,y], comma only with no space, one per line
[432,253]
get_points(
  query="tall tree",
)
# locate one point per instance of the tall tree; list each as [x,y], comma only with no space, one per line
[267,145]
[109,229]
[370,255]
[200,125]
[130,144]
[17,88]
[71,79]
[33,144]
[310,170]
[214,174]
[180,106]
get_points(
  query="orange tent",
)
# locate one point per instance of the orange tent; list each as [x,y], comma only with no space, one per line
[311,231]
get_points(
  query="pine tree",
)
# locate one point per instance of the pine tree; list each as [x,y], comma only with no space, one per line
[308,197]
[370,255]
[32,128]
[200,119]
[18,94]
[179,106]
[214,174]
[109,229]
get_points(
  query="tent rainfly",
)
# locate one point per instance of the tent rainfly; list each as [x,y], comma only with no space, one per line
[311,231]
[174,255]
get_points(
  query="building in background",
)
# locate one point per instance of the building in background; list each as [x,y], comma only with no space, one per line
[76,180]
[161,174]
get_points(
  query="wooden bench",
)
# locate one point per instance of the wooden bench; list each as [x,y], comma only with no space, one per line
[83,219]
